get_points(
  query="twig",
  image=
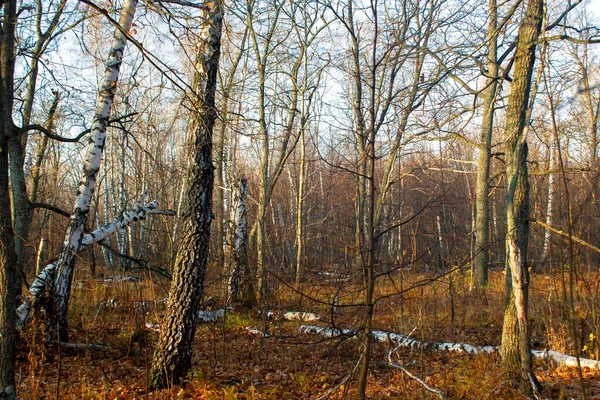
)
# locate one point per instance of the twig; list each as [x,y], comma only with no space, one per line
[407,372]
[346,379]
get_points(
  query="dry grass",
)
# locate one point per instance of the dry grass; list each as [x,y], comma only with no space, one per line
[230,363]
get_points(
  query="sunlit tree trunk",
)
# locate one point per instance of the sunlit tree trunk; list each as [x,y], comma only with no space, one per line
[516,347]
[552,181]
[173,355]
[482,213]
[21,209]
[221,188]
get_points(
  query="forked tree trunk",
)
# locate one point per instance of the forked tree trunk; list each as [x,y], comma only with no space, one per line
[64,265]
[240,285]
[516,348]
[173,355]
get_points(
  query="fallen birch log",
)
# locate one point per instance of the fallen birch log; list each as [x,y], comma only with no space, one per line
[257,332]
[294,316]
[203,316]
[45,278]
[559,359]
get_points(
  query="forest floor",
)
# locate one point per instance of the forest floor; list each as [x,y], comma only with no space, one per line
[230,362]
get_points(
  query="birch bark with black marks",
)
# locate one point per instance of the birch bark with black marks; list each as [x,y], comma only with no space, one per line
[240,285]
[173,355]
[44,279]
[61,289]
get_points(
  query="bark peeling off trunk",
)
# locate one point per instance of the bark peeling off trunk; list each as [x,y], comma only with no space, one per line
[516,354]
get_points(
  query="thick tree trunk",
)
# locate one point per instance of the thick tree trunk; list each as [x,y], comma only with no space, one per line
[173,355]
[516,353]
[64,265]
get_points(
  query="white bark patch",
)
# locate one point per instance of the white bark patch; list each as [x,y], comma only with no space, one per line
[211,316]
[152,326]
[257,332]
[64,265]
[301,316]
[124,221]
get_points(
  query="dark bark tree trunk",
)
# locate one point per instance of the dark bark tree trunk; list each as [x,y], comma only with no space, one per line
[10,280]
[516,347]
[173,355]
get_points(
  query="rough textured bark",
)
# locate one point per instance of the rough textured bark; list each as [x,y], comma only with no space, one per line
[240,288]
[482,213]
[10,281]
[64,265]
[516,353]
[173,355]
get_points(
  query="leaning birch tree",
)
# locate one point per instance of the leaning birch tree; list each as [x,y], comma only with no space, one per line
[173,355]
[59,274]
[63,275]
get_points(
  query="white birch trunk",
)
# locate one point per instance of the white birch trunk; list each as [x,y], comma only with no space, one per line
[239,285]
[550,204]
[45,277]
[64,265]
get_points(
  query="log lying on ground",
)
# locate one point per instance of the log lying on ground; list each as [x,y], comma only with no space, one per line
[398,339]
[45,278]
[294,316]
[203,316]
[257,332]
